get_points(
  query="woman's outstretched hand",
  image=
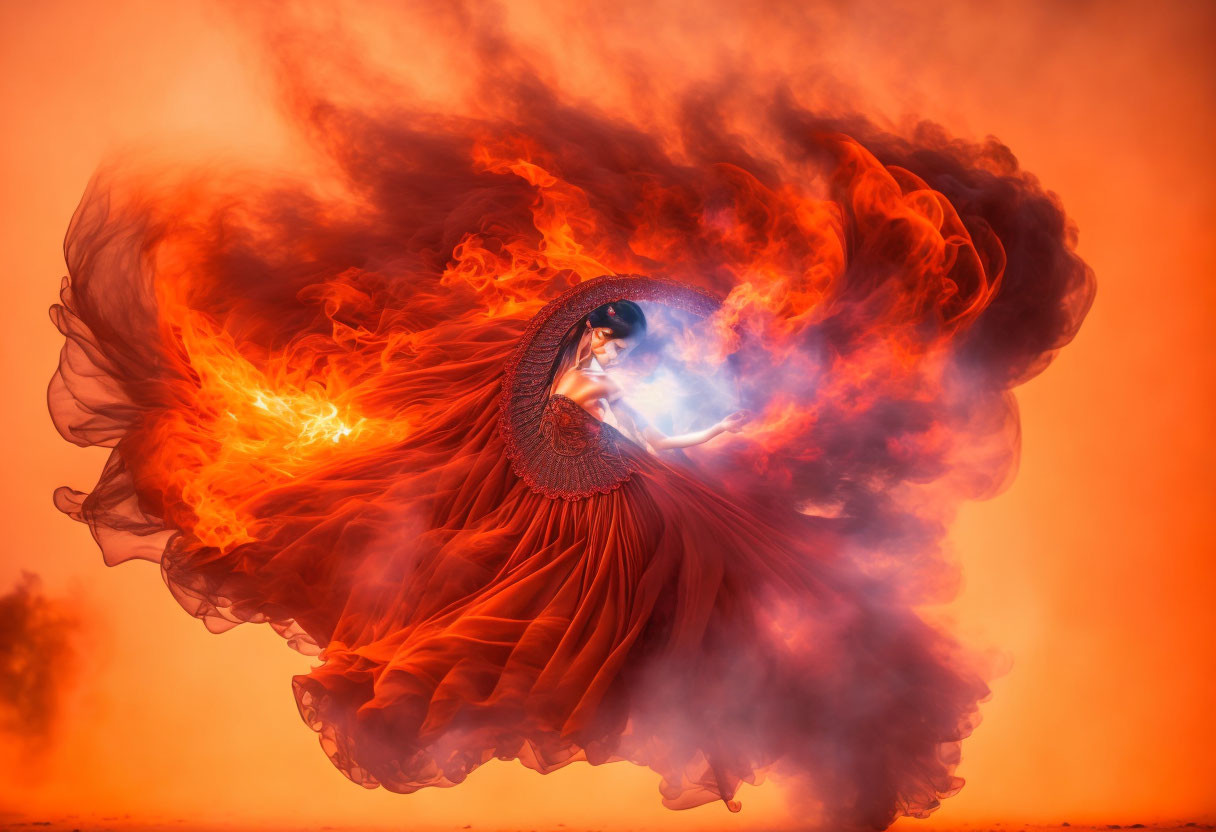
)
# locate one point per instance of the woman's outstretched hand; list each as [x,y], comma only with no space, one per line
[735,421]
[732,423]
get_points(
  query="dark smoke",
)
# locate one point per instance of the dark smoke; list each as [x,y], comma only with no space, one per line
[37,658]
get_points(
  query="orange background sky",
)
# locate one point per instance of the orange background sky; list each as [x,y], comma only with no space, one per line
[1093,570]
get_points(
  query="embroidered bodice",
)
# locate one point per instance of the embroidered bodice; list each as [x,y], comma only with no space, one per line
[571,429]
[558,448]
[571,454]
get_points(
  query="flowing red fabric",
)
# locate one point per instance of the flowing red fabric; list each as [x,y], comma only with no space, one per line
[634,624]
[650,623]
[303,400]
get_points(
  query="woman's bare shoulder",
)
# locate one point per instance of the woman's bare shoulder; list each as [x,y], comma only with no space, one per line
[581,384]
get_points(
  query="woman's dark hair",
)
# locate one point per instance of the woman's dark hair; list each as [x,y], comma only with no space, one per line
[624,317]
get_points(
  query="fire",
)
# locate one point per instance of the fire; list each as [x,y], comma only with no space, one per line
[252,426]
[512,273]
[870,285]
[291,375]
[313,419]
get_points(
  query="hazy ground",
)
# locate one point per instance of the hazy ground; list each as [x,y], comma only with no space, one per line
[70,823]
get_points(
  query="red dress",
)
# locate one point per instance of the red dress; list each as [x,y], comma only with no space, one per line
[516,579]
[591,602]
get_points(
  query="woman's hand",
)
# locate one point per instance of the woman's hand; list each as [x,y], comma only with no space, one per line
[732,423]
[735,421]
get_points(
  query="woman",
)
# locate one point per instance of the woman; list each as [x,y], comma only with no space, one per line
[339,417]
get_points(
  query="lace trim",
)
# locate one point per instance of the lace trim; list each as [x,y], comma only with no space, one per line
[548,455]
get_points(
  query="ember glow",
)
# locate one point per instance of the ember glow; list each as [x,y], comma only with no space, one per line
[276,362]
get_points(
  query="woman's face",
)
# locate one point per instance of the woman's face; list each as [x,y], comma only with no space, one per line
[607,348]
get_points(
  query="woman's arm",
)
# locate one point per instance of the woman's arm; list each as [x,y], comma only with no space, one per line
[633,422]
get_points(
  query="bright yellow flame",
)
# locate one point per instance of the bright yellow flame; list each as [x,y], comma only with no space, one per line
[252,427]
[311,418]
